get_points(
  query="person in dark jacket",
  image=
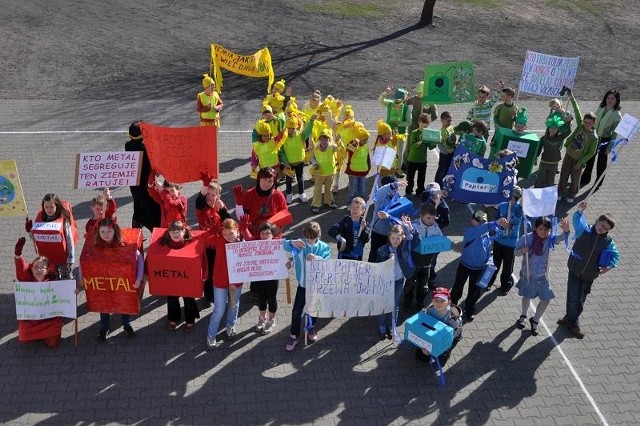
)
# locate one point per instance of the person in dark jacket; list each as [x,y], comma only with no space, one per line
[350,233]
[594,253]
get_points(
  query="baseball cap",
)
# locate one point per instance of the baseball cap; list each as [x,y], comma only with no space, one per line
[441,293]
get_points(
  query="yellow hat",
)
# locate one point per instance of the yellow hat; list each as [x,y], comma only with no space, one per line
[383,127]
[419,87]
[348,111]
[266,108]
[207,81]
[277,101]
[263,128]
[361,132]
[279,85]
[326,133]
[324,109]
[291,123]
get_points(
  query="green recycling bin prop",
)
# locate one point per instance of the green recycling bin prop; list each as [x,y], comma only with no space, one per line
[525,145]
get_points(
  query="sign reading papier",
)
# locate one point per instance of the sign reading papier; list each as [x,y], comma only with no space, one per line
[48,299]
[180,154]
[107,169]
[546,74]
[349,288]
[256,261]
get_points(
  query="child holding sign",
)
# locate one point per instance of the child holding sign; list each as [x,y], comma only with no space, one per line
[224,292]
[176,237]
[109,237]
[49,329]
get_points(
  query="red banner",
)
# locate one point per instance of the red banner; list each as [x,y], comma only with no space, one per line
[109,274]
[181,153]
[176,272]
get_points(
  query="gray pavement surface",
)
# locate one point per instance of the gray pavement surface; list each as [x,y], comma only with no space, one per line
[497,374]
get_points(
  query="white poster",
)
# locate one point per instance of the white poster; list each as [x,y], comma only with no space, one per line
[256,261]
[107,169]
[349,288]
[546,74]
[627,127]
[384,156]
[520,148]
[48,299]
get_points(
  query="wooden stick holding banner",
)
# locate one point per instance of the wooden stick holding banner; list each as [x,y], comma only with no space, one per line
[287,285]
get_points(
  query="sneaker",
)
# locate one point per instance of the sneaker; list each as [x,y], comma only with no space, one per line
[172,325]
[291,343]
[289,198]
[389,335]
[102,336]
[577,332]
[521,322]
[269,325]
[312,335]
[399,173]
[129,330]
[231,333]
[570,200]
[315,209]
[332,206]
[212,343]
[304,198]
[260,324]
[534,327]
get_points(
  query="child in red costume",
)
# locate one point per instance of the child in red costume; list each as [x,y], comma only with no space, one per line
[172,204]
[49,329]
[102,205]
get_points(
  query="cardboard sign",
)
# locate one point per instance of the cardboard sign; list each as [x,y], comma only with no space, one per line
[435,244]
[11,195]
[181,153]
[47,299]
[449,83]
[176,272]
[349,288]
[256,261]
[109,275]
[107,169]
[538,202]
[384,156]
[546,74]
[520,148]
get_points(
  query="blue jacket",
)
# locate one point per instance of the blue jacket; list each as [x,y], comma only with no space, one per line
[320,249]
[476,247]
[509,237]
[403,254]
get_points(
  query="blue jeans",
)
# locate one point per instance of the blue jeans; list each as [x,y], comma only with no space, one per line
[385,321]
[221,300]
[577,291]
[444,161]
[104,321]
[357,187]
[296,312]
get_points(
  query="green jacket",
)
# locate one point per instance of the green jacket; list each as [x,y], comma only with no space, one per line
[418,148]
[581,145]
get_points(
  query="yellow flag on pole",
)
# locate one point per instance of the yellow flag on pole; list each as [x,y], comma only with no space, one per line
[256,65]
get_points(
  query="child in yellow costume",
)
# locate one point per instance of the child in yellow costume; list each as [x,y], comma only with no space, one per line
[292,112]
[324,163]
[265,149]
[292,156]
[358,162]
[208,103]
[323,120]
[345,133]
[311,106]
[386,137]
[275,122]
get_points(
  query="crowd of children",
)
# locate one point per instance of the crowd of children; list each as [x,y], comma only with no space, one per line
[325,136]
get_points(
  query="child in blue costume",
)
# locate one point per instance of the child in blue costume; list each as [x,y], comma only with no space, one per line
[476,253]
[534,281]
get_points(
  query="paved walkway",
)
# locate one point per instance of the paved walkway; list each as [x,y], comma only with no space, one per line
[497,374]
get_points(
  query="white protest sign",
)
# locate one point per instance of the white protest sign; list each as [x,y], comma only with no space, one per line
[628,127]
[520,148]
[48,299]
[384,156]
[256,261]
[537,202]
[107,169]
[546,74]
[349,288]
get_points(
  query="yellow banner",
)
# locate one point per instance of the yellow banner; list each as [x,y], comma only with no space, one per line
[11,195]
[256,65]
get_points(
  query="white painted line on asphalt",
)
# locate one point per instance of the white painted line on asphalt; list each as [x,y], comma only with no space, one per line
[533,307]
[53,132]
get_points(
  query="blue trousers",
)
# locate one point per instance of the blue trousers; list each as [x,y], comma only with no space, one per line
[577,291]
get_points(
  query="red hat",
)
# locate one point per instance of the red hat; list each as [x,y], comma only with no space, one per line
[441,293]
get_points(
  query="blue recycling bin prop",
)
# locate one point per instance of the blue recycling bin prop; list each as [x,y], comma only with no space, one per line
[400,206]
[436,244]
[426,332]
